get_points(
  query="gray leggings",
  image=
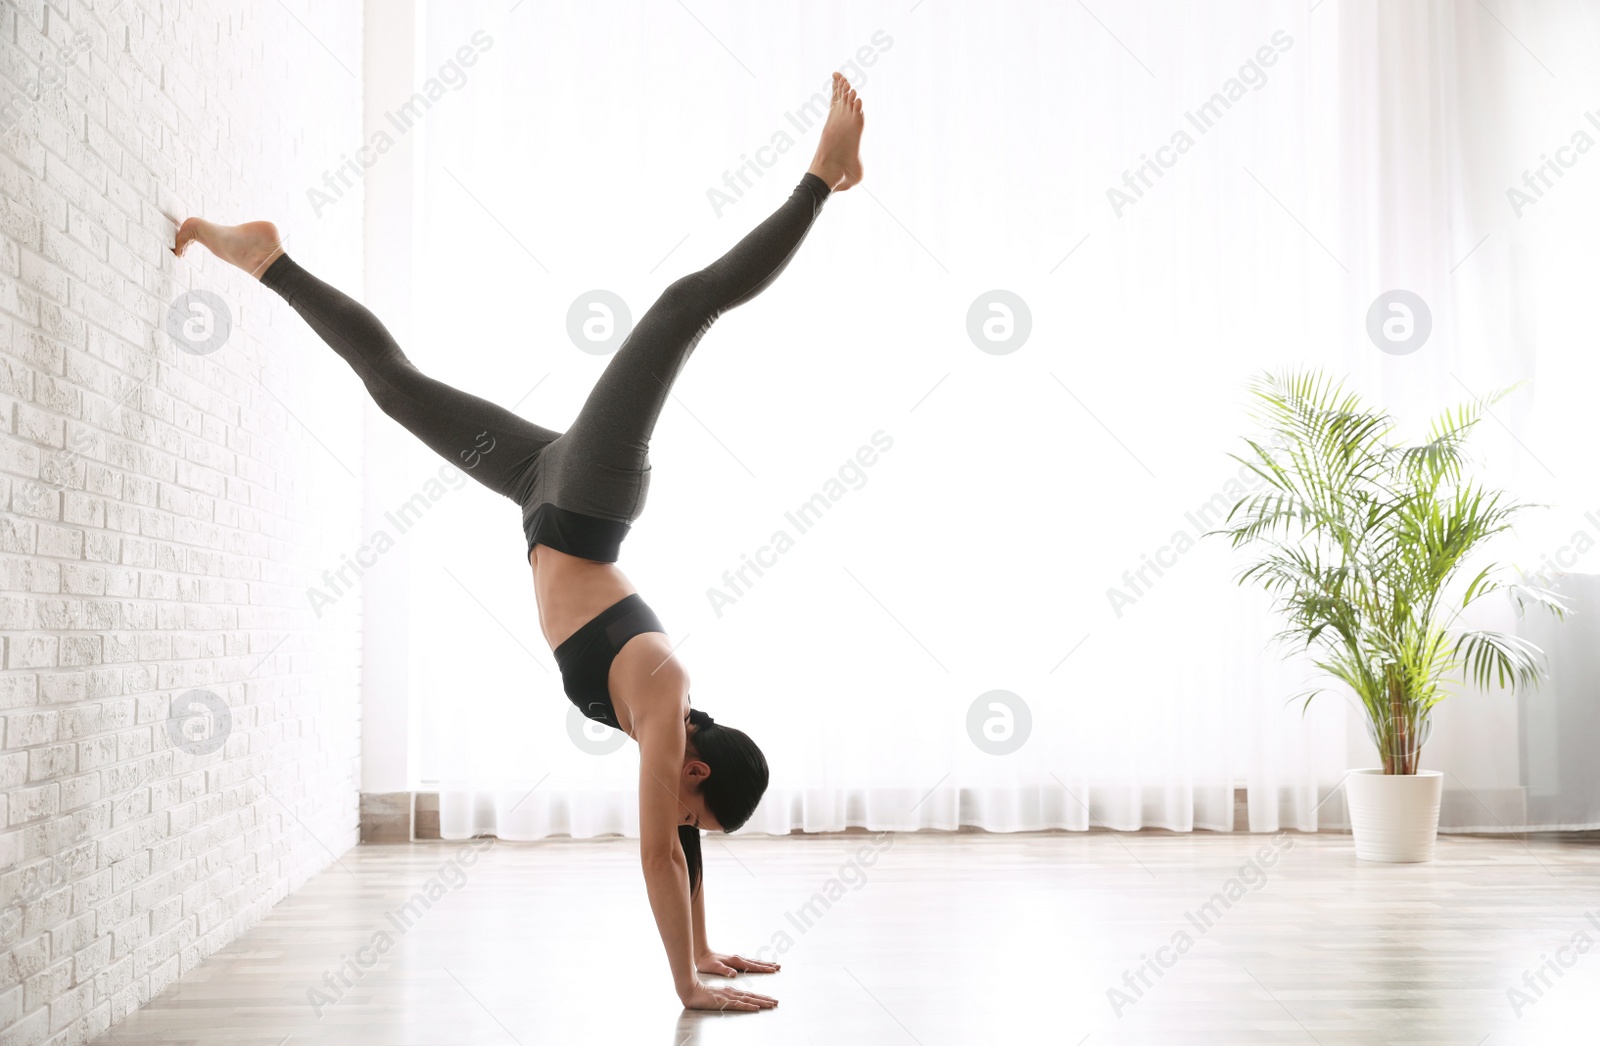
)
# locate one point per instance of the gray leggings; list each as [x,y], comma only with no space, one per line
[600,466]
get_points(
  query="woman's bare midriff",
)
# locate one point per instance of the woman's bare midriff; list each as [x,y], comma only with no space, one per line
[571,591]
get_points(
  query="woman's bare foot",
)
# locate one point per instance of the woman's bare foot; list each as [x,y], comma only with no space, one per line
[251,246]
[838,159]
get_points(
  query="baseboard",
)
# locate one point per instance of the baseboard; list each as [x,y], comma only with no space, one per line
[399,817]
[425,819]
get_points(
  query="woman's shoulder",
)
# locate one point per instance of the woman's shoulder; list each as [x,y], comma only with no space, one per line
[650,679]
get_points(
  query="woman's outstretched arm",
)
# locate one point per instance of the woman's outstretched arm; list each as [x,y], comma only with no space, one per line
[660,855]
[659,730]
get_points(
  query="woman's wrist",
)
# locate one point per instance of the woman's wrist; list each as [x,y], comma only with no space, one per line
[687,988]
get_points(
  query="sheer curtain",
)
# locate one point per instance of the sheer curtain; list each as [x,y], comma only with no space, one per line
[1003,615]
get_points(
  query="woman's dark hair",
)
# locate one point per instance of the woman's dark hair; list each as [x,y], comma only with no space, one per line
[737,782]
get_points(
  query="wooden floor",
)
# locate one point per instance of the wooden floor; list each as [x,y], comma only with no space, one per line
[942,939]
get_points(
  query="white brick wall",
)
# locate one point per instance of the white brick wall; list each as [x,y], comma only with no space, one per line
[162,513]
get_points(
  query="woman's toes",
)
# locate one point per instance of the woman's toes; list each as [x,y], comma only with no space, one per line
[185,235]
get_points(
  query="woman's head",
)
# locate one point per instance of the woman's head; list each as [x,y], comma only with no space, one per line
[735,772]
[725,776]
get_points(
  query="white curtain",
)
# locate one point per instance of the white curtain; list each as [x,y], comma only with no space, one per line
[1029,523]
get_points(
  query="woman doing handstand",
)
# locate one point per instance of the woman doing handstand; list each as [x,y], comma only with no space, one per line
[580,491]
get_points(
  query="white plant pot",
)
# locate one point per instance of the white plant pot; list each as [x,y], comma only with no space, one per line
[1395,817]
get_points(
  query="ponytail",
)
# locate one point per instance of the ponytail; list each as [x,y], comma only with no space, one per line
[689,838]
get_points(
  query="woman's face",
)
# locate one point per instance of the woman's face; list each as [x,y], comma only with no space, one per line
[691,803]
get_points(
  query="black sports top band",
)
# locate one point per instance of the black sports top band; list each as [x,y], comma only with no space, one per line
[585,657]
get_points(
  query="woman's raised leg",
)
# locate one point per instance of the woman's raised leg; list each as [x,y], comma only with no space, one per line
[613,428]
[488,442]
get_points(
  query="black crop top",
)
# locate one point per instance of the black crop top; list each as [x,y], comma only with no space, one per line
[574,533]
[585,657]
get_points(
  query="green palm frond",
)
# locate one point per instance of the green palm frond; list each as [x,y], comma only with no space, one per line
[1507,660]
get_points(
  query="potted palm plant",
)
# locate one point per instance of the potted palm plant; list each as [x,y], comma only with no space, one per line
[1365,545]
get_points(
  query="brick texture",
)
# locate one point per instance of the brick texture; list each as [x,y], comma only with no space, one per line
[163,511]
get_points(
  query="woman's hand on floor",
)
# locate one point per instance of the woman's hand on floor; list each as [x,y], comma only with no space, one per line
[708,997]
[730,965]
